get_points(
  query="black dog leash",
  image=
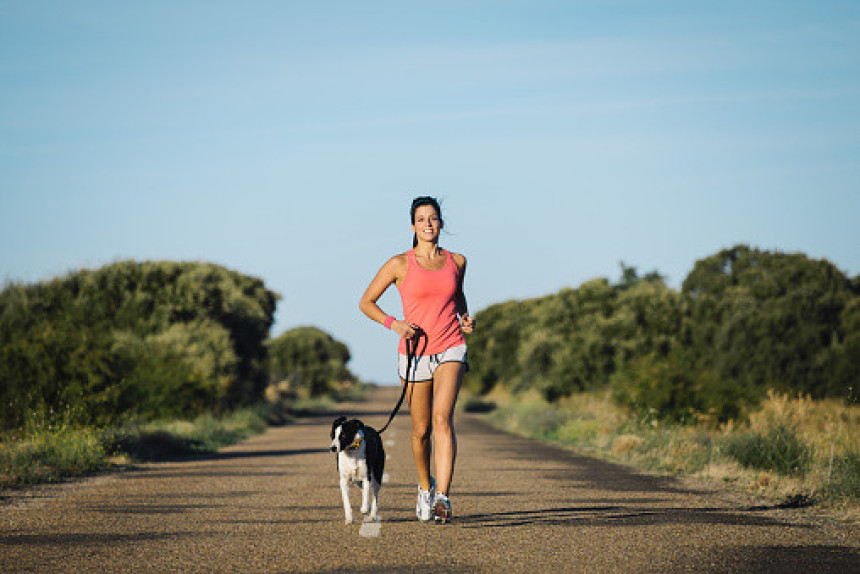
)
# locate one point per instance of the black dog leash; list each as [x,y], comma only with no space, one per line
[412,354]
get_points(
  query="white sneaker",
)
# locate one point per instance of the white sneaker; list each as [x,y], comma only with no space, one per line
[424,507]
[442,508]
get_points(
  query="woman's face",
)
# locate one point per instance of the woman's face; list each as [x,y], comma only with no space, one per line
[427,223]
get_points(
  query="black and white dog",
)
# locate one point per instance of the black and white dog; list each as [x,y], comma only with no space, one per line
[360,460]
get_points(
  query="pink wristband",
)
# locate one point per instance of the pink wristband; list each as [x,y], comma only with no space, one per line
[388,321]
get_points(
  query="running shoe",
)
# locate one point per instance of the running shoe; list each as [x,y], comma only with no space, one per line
[424,507]
[442,508]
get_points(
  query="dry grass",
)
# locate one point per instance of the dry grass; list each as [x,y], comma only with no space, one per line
[797,449]
[50,450]
[827,430]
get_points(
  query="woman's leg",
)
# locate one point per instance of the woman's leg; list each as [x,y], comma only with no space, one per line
[446,386]
[420,397]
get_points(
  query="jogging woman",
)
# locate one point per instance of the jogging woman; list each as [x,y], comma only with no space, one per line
[430,281]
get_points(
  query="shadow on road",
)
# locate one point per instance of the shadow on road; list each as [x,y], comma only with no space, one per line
[779,559]
[615,516]
[347,411]
[233,455]
[259,454]
[65,540]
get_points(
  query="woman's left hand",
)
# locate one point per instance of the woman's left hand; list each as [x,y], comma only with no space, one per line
[467,324]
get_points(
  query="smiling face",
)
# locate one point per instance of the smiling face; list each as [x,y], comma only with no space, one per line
[426,223]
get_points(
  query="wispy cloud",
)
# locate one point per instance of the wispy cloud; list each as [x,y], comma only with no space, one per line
[590,107]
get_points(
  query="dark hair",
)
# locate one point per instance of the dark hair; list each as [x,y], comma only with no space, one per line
[420,202]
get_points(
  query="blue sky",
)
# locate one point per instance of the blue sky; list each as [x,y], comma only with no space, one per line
[286,140]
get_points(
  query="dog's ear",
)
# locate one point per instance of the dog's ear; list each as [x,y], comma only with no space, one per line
[338,421]
[352,425]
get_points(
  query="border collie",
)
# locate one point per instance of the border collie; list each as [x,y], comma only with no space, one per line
[360,460]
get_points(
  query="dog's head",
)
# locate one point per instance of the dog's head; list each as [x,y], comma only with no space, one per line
[346,435]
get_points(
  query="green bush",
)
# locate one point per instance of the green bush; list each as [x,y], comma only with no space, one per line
[771,320]
[779,449]
[150,339]
[673,388]
[577,430]
[745,321]
[844,478]
[529,418]
[310,360]
[573,340]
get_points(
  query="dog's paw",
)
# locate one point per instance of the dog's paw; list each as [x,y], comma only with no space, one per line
[348,520]
[365,509]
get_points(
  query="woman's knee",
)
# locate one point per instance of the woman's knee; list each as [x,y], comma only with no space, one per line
[442,423]
[422,431]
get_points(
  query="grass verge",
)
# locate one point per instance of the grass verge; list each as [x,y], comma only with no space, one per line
[49,448]
[50,451]
[794,450]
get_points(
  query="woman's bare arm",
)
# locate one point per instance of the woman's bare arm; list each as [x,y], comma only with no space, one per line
[461,306]
[390,273]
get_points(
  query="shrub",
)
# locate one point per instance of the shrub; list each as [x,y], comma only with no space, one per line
[774,439]
[148,339]
[529,416]
[310,360]
[779,449]
[673,388]
[763,319]
[745,320]
[578,430]
[843,479]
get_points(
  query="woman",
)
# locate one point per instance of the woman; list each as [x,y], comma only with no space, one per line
[430,281]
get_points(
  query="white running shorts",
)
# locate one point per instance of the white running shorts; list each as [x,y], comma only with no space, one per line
[422,368]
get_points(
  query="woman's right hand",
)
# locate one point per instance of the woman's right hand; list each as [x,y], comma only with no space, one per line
[404,329]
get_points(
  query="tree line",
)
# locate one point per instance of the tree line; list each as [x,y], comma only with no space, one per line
[744,321]
[150,340]
[162,339]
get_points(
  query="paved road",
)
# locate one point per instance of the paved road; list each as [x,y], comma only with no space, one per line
[272,504]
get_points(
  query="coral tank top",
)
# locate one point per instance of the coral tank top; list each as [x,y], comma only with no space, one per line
[428,301]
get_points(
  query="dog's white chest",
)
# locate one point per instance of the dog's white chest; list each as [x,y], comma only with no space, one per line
[352,468]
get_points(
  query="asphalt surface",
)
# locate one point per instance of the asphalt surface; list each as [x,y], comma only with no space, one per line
[272,504]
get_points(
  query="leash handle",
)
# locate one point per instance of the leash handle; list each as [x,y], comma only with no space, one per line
[411,352]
